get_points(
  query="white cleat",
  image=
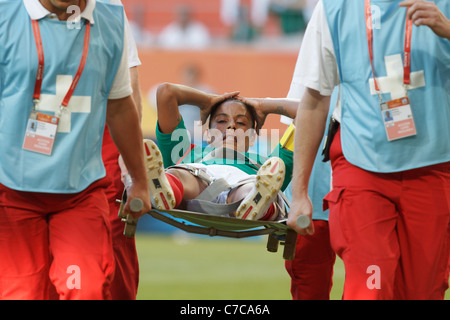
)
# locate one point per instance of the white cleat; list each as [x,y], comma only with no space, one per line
[269,180]
[161,193]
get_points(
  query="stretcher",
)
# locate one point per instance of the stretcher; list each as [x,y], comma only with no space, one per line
[278,232]
[199,223]
[204,216]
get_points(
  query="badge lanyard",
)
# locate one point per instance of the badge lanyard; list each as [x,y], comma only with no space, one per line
[407,53]
[40,72]
[396,114]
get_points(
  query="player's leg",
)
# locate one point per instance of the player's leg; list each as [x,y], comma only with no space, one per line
[192,186]
[258,198]
[169,188]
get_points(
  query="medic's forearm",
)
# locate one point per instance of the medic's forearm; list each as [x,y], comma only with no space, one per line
[135,84]
[310,127]
[123,123]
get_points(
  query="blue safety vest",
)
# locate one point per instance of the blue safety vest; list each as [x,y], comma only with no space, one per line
[364,139]
[76,160]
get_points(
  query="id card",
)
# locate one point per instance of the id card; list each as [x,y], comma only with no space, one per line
[40,133]
[398,119]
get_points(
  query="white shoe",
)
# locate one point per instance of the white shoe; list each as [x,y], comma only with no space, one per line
[161,193]
[269,180]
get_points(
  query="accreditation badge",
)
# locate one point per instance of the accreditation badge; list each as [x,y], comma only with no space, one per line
[398,119]
[40,133]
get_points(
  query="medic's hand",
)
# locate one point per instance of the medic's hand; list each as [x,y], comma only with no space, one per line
[426,13]
[138,190]
[301,206]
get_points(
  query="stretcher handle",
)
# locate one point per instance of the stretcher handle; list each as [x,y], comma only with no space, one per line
[303,221]
[136,205]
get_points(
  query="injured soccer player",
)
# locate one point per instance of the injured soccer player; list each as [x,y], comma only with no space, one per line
[220,177]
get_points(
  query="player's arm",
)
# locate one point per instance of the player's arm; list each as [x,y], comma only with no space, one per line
[265,106]
[282,106]
[427,13]
[310,127]
[169,96]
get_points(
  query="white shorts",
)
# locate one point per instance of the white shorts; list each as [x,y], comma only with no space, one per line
[235,178]
[232,175]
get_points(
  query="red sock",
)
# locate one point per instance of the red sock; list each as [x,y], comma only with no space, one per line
[269,213]
[177,188]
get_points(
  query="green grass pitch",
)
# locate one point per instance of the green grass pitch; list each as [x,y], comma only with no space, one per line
[186,267]
[180,266]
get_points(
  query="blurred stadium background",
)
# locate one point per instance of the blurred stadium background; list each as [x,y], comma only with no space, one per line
[253,55]
[250,46]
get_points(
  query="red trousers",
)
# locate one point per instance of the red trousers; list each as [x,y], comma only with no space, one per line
[124,284]
[391,230]
[63,239]
[311,271]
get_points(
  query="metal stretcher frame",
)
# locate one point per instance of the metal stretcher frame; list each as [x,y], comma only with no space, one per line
[278,232]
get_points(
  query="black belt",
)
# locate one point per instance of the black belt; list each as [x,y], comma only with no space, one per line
[332,129]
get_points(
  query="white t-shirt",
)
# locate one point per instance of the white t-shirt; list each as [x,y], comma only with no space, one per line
[133,57]
[316,66]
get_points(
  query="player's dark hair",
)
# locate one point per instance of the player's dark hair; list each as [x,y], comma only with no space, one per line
[249,108]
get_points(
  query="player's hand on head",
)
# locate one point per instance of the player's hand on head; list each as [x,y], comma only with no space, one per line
[205,110]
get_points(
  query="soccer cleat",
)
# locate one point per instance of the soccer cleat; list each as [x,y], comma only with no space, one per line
[269,179]
[161,193]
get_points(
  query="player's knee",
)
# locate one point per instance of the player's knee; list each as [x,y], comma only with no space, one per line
[239,193]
